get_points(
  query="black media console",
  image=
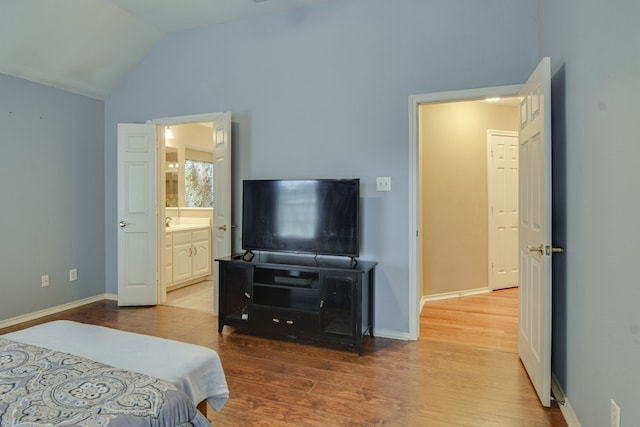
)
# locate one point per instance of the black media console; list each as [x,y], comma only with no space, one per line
[327,301]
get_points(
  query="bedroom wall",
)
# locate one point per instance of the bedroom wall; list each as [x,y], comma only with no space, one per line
[322,91]
[52,215]
[453,192]
[595,62]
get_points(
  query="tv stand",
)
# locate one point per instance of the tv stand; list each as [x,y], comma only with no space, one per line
[325,301]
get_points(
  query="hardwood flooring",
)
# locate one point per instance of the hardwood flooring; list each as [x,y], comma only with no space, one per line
[463,371]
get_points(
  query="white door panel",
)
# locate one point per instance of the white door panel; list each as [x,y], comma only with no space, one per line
[502,167]
[222,195]
[136,215]
[534,330]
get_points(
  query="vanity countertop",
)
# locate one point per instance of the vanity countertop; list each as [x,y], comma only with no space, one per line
[184,227]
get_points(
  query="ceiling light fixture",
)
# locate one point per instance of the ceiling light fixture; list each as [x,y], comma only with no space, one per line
[168,133]
[492,99]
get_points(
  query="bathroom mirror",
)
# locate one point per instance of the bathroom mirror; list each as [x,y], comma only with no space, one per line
[189,166]
[171,177]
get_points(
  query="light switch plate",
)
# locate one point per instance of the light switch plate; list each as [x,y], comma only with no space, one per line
[383,183]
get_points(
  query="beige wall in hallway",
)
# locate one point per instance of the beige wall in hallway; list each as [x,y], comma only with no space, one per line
[453,192]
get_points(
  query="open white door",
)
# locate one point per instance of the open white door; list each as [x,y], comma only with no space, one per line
[534,331]
[222,195]
[502,177]
[136,214]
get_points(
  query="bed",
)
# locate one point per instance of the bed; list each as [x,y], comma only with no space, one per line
[157,379]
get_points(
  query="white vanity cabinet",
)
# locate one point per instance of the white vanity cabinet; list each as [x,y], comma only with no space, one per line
[201,265]
[190,254]
[167,274]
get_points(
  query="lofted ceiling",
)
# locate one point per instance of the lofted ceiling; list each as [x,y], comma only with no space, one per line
[88,46]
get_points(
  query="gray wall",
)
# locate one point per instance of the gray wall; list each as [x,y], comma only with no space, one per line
[323,91]
[595,52]
[52,214]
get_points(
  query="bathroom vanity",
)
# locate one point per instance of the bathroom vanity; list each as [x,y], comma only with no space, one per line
[187,256]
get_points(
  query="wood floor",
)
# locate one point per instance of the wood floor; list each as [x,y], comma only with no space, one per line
[463,371]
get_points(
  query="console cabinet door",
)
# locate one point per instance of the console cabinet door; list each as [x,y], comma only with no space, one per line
[339,300]
[235,293]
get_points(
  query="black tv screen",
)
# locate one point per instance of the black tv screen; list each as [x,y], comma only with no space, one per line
[319,216]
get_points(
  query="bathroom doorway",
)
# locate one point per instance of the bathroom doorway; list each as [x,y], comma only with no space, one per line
[200,227]
[187,273]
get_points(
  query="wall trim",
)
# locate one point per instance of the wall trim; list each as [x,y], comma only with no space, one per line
[394,335]
[54,310]
[564,404]
[450,295]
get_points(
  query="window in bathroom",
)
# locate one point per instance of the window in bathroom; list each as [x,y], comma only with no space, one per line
[198,186]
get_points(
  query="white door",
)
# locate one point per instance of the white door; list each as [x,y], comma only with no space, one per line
[534,331]
[222,195]
[136,214]
[502,167]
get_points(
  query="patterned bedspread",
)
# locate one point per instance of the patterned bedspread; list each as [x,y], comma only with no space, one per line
[42,387]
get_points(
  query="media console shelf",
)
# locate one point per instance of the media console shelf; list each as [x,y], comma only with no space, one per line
[328,301]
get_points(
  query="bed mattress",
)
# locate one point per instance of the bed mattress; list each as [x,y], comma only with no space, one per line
[194,369]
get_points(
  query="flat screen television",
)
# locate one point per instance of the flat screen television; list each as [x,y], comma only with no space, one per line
[315,216]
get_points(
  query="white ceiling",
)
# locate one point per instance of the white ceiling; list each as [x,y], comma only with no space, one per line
[88,46]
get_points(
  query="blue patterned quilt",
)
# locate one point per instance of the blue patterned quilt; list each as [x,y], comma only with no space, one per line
[42,387]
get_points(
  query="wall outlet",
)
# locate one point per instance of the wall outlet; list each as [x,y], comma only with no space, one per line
[73,275]
[615,414]
[45,280]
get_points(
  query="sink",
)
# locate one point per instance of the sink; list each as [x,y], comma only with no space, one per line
[181,227]
[180,224]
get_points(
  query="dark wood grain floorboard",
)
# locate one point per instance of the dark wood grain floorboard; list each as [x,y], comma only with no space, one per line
[463,371]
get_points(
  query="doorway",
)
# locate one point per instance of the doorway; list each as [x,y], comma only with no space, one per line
[415,240]
[535,241]
[454,194]
[141,190]
[187,197]
[216,148]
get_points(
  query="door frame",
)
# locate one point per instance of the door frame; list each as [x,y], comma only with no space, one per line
[161,123]
[414,207]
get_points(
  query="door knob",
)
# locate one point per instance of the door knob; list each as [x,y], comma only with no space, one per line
[554,250]
[122,223]
[545,249]
[539,249]
[223,227]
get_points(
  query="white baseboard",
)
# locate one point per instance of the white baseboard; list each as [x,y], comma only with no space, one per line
[450,295]
[52,310]
[564,404]
[386,333]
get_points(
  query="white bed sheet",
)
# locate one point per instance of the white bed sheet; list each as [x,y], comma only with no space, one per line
[195,369]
